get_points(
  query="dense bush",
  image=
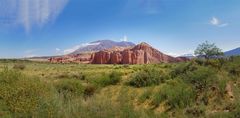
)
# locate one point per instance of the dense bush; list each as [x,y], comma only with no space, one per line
[69,86]
[146,95]
[175,93]
[201,78]
[196,111]
[66,75]
[183,68]
[147,77]
[89,90]
[21,96]
[19,66]
[108,79]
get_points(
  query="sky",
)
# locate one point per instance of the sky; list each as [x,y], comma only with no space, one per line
[176,27]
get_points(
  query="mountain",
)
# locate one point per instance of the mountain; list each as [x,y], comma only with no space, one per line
[189,56]
[233,52]
[101,45]
[142,53]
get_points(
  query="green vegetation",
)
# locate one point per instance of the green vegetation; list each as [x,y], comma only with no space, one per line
[198,88]
[110,79]
[208,50]
[176,94]
[148,76]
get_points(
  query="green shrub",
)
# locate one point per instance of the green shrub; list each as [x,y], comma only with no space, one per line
[69,87]
[200,62]
[147,77]
[89,91]
[201,78]
[221,84]
[79,76]
[146,95]
[216,63]
[175,93]
[234,70]
[21,96]
[183,68]
[108,79]
[19,66]
[196,111]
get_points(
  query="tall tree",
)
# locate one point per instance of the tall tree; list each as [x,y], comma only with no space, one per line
[208,50]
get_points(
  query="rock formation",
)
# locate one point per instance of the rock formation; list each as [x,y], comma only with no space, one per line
[139,54]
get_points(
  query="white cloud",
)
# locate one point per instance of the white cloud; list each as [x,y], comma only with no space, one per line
[216,22]
[57,49]
[70,50]
[125,38]
[29,13]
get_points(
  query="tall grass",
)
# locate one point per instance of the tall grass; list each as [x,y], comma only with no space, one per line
[25,97]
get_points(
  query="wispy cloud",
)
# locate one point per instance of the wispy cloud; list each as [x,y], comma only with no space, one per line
[29,13]
[216,22]
[125,38]
[58,51]
[149,7]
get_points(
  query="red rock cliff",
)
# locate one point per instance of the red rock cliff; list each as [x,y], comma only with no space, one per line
[140,54]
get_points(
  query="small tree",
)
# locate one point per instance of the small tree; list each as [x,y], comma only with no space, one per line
[208,50]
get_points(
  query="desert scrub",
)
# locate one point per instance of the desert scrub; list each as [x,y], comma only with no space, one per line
[108,79]
[175,93]
[147,77]
[69,87]
[201,78]
[145,95]
[183,68]
[19,66]
[89,91]
[22,96]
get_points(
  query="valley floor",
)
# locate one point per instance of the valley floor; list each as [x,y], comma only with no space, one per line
[197,88]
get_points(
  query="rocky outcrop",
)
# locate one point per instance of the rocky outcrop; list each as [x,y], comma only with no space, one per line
[78,58]
[140,54]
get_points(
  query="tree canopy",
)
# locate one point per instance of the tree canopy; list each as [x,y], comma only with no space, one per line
[208,50]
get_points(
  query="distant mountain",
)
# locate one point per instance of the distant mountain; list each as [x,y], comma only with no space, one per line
[189,56]
[101,45]
[233,52]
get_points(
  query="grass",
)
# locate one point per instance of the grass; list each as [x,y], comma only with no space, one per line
[190,89]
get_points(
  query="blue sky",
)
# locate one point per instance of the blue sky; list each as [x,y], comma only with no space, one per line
[176,27]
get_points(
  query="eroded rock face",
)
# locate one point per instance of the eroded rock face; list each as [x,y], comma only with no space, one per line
[140,54]
[79,58]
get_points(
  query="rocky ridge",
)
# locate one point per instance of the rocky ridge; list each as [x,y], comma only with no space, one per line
[142,53]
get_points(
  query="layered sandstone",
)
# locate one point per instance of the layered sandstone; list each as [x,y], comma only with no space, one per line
[140,54]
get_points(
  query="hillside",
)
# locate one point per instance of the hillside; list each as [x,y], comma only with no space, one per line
[234,52]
